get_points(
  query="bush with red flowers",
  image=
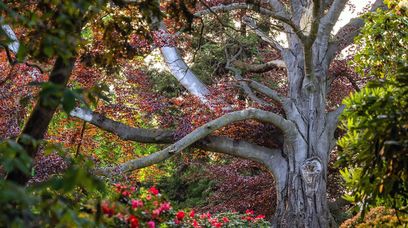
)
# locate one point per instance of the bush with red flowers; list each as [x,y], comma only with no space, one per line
[140,207]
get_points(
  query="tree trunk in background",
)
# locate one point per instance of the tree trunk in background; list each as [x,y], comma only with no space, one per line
[37,124]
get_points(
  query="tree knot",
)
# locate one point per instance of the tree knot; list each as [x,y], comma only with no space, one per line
[311,170]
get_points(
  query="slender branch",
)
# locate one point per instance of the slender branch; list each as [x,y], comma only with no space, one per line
[237,75]
[269,92]
[251,24]
[279,13]
[259,68]
[233,6]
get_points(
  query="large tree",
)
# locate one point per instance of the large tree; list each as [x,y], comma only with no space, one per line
[299,167]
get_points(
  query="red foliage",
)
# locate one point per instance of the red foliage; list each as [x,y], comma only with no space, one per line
[241,184]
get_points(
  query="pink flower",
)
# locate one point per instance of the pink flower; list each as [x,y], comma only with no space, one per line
[260,217]
[192,214]
[154,190]
[151,224]
[156,213]
[149,197]
[249,212]
[120,216]
[180,215]
[195,224]
[137,203]
[125,193]
[165,206]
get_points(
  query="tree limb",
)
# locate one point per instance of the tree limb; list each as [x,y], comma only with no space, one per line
[124,131]
[278,13]
[237,75]
[14,44]
[259,68]
[329,20]
[269,92]
[251,24]
[345,36]
[196,137]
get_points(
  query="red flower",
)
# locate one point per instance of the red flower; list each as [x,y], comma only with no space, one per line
[260,217]
[206,215]
[195,224]
[107,210]
[119,187]
[192,214]
[217,224]
[133,221]
[249,212]
[154,191]
[225,219]
[180,215]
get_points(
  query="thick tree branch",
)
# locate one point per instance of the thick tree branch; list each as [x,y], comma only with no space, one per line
[197,136]
[329,20]
[124,131]
[14,44]
[345,36]
[176,64]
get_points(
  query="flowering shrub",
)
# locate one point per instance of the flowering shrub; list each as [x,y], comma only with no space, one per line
[140,207]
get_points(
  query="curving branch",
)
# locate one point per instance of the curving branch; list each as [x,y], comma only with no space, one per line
[199,138]
[278,12]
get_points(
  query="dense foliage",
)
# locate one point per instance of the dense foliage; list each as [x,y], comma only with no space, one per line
[375,147]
